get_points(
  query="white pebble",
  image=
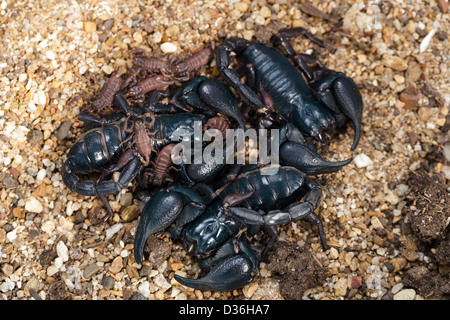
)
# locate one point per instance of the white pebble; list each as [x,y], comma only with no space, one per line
[395,289]
[48,227]
[144,289]
[50,55]
[161,282]
[12,235]
[108,69]
[362,160]
[59,263]
[402,189]
[40,98]
[168,47]
[8,285]
[52,270]
[376,223]
[41,174]
[83,69]
[426,41]
[113,230]
[33,205]
[175,292]
[62,251]
[405,294]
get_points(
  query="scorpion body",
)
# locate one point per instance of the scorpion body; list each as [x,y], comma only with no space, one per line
[138,91]
[103,146]
[149,65]
[314,102]
[186,68]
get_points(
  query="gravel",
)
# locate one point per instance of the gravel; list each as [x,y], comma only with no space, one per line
[53,242]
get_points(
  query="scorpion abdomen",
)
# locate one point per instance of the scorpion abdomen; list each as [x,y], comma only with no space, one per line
[268,190]
[280,79]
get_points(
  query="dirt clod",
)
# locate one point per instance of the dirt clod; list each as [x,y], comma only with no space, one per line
[430,215]
[296,269]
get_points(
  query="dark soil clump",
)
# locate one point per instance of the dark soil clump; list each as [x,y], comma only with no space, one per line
[296,269]
[428,216]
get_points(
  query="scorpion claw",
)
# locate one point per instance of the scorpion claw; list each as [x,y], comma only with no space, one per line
[163,208]
[159,212]
[306,160]
[231,273]
[233,266]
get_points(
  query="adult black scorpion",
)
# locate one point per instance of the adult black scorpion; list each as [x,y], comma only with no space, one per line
[211,231]
[314,106]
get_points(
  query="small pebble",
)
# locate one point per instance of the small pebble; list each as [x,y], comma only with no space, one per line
[362,160]
[116,265]
[137,36]
[411,27]
[90,271]
[33,205]
[409,97]
[394,62]
[425,113]
[250,290]
[265,12]
[443,5]
[108,282]
[405,294]
[63,130]
[241,6]
[161,282]
[426,41]
[48,227]
[376,223]
[89,26]
[62,251]
[168,47]
[446,152]
[340,287]
[113,230]
[130,213]
[398,263]
[108,69]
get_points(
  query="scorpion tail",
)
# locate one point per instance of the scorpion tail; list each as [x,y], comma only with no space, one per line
[229,274]
[307,160]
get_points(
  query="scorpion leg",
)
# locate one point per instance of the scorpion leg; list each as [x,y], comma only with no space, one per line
[233,266]
[176,203]
[282,39]
[223,60]
[292,213]
[94,121]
